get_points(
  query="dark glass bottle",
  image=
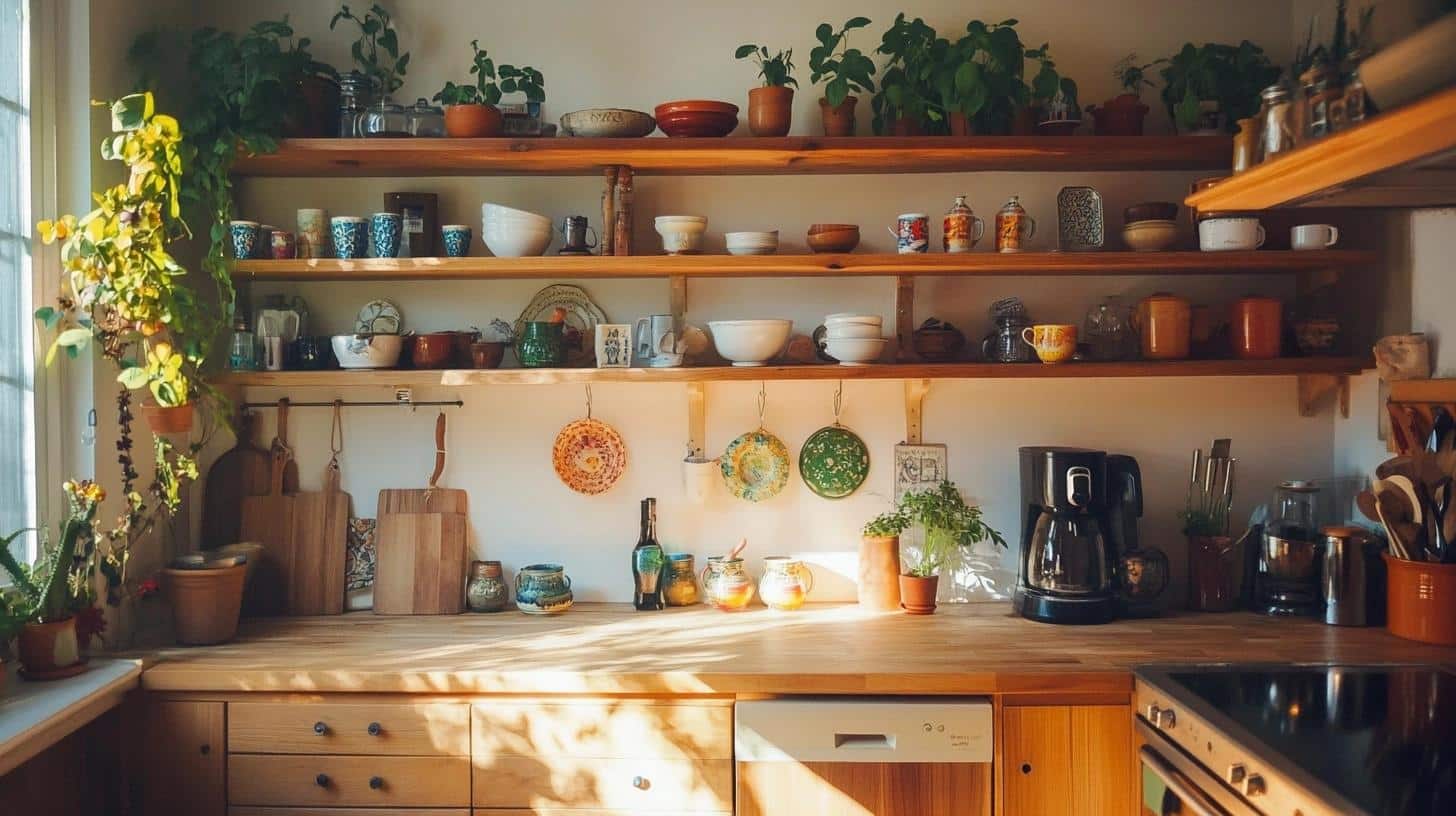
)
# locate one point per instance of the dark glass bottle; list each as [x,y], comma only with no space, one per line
[647,562]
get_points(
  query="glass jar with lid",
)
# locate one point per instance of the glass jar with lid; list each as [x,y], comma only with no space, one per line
[356,91]
[1107,331]
[1276,123]
[384,119]
[426,120]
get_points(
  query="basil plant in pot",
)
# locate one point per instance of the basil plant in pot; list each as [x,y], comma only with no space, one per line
[1123,114]
[470,109]
[1208,88]
[845,69]
[771,105]
[905,104]
[878,587]
[949,525]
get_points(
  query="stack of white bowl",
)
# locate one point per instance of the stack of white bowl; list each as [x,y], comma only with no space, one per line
[854,339]
[681,234]
[513,233]
[752,243]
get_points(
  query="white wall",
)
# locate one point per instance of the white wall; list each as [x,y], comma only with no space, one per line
[638,53]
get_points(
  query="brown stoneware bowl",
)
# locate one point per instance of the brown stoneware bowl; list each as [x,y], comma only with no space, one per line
[1150,211]
[834,240]
[696,117]
[432,350]
[487,354]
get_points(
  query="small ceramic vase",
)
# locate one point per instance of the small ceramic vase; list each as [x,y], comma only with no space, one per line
[457,240]
[541,345]
[245,238]
[351,236]
[543,589]
[1013,227]
[487,590]
[786,583]
[682,580]
[385,230]
[726,584]
[313,233]
[282,245]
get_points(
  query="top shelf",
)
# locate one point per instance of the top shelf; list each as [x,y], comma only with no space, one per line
[659,156]
[1405,158]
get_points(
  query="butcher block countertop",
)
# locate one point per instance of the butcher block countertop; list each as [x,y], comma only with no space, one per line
[823,648]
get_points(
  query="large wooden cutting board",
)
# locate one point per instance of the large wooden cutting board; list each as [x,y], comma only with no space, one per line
[320,538]
[421,546]
[268,520]
[240,472]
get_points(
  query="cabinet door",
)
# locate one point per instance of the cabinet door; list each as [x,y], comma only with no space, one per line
[185,758]
[884,789]
[1037,752]
[1103,763]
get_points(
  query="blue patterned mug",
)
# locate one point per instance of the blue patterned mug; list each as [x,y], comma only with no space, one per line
[543,589]
[457,240]
[351,236]
[385,229]
[245,238]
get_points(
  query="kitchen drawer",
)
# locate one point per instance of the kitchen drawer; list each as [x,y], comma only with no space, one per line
[629,785]
[384,729]
[308,811]
[624,729]
[348,781]
[554,811]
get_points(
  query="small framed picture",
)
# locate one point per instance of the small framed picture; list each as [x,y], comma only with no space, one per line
[614,345]
[918,467]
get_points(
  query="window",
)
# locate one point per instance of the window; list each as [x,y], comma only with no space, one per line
[17,335]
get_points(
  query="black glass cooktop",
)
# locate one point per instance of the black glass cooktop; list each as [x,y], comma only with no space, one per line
[1383,738]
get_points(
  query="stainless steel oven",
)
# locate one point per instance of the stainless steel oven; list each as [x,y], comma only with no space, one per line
[1175,785]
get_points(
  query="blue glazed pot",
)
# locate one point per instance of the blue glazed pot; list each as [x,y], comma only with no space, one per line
[385,230]
[351,236]
[457,240]
[245,238]
[543,589]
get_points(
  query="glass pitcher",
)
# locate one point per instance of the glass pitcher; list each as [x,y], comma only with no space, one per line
[726,584]
[1004,345]
[786,583]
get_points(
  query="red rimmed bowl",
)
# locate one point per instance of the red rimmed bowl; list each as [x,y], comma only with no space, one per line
[696,117]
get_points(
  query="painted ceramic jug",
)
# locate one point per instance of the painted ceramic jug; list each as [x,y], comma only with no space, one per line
[543,589]
[1013,227]
[486,590]
[961,229]
[726,585]
[786,583]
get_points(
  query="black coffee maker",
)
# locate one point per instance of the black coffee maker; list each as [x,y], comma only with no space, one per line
[1080,511]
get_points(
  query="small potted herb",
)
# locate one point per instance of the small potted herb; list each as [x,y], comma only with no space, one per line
[903,105]
[846,69]
[770,106]
[470,110]
[376,52]
[1053,95]
[1210,87]
[949,524]
[879,561]
[1123,115]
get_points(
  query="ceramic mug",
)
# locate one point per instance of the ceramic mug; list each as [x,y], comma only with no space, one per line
[283,245]
[245,238]
[656,340]
[385,231]
[457,240]
[1256,328]
[700,478]
[313,233]
[912,233]
[263,247]
[613,345]
[1053,342]
[1165,326]
[1225,234]
[351,236]
[1313,236]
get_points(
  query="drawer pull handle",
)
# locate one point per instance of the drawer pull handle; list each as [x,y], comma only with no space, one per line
[376,782]
[322,780]
[375,729]
[641,783]
[1026,767]
[205,749]
[320,729]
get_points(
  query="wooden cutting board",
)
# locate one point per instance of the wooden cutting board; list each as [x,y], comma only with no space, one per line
[319,540]
[420,544]
[240,472]
[268,520]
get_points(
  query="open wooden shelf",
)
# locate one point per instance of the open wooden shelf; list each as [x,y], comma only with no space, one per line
[1290,366]
[1405,158]
[735,155]
[802,266]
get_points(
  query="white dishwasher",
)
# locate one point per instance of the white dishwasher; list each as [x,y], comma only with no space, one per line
[920,756]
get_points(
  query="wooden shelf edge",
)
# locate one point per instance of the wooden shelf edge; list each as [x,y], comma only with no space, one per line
[1432,390]
[1292,366]
[735,155]
[1109,263]
[1327,168]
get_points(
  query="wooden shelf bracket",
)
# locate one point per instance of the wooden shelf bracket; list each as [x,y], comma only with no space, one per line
[1314,388]
[697,420]
[904,318]
[915,391]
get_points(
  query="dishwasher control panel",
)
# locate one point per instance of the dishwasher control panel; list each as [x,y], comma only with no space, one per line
[953,729]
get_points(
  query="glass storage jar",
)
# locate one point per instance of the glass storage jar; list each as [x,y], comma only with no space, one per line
[682,580]
[384,119]
[426,120]
[356,91]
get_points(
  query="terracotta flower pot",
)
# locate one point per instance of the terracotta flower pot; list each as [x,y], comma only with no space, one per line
[838,119]
[960,124]
[879,571]
[917,594]
[473,121]
[205,603]
[1120,116]
[907,126]
[770,110]
[48,649]
[164,420]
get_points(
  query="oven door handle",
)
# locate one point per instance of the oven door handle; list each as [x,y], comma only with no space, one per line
[1194,799]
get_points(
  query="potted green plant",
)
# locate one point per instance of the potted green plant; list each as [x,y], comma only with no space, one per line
[470,110]
[376,52]
[1053,96]
[846,69]
[771,105]
[1210,87]
[879,561]
[979,81]
[904,104]
[1123,114]
[949,524]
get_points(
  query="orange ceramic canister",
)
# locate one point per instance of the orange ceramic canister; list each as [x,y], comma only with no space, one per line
[1165,325]
[1256,328]
[1420,600]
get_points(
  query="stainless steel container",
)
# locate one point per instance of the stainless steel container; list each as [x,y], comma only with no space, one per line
[1345,586]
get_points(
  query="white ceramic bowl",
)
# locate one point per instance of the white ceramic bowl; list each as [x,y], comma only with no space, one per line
[752,243]
[367,351]
[489,211]
[851,331]
[505,241]
[681,234]
[1150,236]
[850,317]
[750,342]
[855,351]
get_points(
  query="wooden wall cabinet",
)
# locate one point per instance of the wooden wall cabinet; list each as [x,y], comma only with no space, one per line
[1068,759]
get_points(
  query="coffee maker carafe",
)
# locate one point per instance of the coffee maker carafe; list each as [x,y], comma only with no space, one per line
[1069,541]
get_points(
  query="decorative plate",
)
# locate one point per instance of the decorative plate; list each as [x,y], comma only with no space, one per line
[834,462]
[1080,222]
[589,456]
[755,466]
[379,317]
[582,317]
